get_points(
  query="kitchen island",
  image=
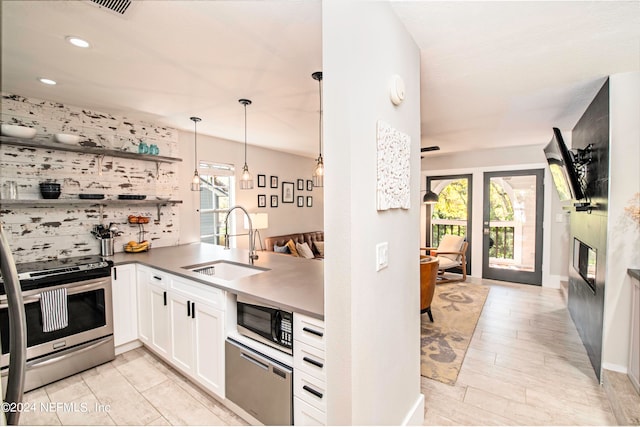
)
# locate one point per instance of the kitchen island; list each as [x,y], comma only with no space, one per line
[294,284]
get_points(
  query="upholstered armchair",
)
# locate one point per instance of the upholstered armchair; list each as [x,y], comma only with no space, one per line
[451,253]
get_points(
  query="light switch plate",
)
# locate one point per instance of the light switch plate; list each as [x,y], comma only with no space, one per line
[382,255]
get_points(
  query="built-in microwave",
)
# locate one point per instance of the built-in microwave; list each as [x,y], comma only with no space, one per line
[266,324]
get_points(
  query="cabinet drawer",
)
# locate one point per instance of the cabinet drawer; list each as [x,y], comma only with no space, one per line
[158,278]
[310,360]
[306,415]
[308,330]
[311,390]
[210,295]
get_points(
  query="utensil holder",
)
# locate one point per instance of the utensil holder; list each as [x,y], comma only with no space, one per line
[107,246]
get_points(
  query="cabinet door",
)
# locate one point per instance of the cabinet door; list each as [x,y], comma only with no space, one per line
[209,347]
[144,306]
[160,332]
[125,319]
[181,331]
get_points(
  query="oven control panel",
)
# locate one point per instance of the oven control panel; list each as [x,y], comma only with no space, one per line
[286,330]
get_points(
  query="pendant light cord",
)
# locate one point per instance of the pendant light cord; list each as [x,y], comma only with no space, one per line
[320,84]
[195,142]
[245,135]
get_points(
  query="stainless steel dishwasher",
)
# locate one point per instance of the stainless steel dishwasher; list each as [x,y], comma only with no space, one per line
[258,384]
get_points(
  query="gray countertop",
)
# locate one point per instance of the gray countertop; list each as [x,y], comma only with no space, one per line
[634,272]
[293,284]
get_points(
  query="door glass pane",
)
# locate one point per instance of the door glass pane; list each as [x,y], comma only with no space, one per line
[512,222]
[449,215]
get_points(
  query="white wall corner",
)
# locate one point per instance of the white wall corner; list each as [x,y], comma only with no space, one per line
[415,416]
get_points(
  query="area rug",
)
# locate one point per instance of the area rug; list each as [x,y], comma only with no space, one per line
[456,308]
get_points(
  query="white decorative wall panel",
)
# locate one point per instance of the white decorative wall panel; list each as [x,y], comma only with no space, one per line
[64,231]
[394,153]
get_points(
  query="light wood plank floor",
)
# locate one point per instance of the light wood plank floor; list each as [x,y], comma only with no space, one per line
[525,365]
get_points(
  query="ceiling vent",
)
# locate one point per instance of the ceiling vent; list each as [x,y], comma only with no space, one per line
[118,6]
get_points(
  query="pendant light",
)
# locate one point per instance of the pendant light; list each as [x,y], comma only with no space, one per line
[318,171]
[195,182]
[430,198]
[246,181]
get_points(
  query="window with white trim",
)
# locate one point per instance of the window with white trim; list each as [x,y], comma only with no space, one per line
[217,195]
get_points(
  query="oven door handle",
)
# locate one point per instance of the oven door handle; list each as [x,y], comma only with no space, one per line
[80,287]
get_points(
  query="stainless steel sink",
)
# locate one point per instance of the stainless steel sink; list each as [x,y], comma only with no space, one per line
[225,270]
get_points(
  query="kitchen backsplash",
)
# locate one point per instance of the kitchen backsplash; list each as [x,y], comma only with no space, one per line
[37,233]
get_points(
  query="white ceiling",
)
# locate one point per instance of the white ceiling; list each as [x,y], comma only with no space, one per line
[493,73]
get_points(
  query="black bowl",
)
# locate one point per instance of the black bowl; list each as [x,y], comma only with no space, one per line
[46,194]
[50,186]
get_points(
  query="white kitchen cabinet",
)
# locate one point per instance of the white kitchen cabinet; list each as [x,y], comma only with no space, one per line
[181,331]
[184,322]
[309,381]
[153,310]
[144,305]
[123,291]
[209,339]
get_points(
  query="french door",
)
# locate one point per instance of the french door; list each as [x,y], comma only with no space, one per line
[512,226]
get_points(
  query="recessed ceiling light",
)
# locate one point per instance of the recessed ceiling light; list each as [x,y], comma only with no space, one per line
[47,81]
[78,42]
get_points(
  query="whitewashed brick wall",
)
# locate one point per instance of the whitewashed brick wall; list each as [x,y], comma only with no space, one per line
[38,233]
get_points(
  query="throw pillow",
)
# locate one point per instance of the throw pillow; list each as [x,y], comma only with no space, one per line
[292,248]
[304,250]
[281,249]
[450,243]
[319,247]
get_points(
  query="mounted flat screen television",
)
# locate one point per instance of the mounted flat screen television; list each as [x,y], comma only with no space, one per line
[563,170]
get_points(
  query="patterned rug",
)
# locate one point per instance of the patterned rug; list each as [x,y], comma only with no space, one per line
[456,308]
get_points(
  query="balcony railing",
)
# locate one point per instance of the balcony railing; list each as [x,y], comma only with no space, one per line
[502,235]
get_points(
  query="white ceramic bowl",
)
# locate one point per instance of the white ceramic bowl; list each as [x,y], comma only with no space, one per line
[18,131]
[66,138]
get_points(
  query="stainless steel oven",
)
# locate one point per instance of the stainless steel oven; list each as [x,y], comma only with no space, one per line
[85,342]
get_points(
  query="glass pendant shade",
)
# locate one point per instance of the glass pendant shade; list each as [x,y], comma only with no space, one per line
[195,181]
[318,171]
[246,180]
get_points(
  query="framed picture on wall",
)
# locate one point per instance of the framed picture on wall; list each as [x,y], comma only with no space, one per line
[274,201]
[287,192]
[300,201]
[309,185]
[262,181]
[274,181]
[262,200]
[300,184]
[309,201]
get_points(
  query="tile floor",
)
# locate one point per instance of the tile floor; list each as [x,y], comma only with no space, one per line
[134,389]
[525,365]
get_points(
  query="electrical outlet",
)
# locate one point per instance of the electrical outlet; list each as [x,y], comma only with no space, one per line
[382,255]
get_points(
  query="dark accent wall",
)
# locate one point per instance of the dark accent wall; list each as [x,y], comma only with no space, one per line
[590,227]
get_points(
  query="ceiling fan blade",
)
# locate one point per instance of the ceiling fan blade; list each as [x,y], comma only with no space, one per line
[431,148]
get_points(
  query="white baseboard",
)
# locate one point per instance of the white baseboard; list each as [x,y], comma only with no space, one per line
[123,348]
[615,368]
[415,416]
[553,281]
